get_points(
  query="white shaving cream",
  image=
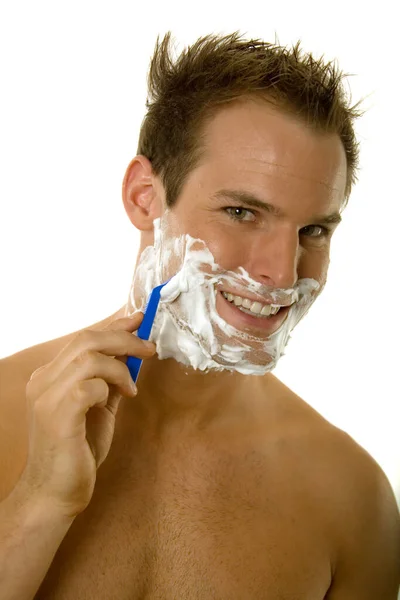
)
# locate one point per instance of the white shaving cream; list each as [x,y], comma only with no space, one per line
[188,327]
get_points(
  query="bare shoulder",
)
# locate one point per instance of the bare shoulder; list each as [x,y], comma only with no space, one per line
[367,560]
[336,459]
[319,438]
[358,503]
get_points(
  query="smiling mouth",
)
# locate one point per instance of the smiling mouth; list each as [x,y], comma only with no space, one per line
[244,318]
[253,308]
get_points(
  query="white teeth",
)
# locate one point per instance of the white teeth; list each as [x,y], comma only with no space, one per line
[254,307]
[266,310]
[246,303]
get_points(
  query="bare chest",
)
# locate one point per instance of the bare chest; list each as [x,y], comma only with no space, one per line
[193,526]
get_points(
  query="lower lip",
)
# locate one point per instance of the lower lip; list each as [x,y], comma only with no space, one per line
[240,319]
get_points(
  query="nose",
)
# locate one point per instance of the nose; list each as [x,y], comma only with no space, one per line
[274,257]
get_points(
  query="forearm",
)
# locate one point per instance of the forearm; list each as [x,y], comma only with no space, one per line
[30,535]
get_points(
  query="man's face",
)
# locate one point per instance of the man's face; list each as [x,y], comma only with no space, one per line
[258,152]
[254,155]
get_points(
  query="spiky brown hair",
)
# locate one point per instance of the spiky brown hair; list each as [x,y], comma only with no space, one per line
[183,94]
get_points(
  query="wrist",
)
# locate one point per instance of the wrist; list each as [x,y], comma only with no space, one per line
[32,511]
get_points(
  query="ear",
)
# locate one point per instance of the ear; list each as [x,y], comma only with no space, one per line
[142,194]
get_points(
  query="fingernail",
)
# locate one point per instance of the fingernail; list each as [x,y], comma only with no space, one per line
[149,344]
[133,387]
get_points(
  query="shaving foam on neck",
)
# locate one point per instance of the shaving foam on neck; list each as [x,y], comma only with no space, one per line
[188,327]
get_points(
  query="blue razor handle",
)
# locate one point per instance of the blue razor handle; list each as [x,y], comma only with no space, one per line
[133,363]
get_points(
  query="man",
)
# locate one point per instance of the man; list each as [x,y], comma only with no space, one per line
[215,481]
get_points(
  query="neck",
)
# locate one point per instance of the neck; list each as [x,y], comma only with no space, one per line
[170,392]
[172,395]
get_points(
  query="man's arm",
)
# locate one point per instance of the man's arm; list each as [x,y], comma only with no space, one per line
[30,535]
[59,476]
[368,562]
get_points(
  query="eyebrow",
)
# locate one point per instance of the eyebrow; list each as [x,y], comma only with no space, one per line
[252,200]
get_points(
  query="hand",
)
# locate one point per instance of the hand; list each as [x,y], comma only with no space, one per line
[72,403]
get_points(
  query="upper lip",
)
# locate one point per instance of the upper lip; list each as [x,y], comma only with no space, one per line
[254,299]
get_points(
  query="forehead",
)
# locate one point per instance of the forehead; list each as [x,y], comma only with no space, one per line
[253,141]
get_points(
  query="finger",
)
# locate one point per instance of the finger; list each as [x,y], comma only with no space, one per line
[112,342]
[114,398]
[65,416]
[84,396]
[126,323]
[37,371]
[91,364]
[67,402]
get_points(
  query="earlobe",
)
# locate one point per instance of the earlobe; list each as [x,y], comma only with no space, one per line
[139,194]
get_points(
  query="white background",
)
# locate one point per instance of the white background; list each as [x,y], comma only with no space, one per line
[73,89]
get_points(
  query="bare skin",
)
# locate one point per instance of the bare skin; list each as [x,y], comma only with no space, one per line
[221,485]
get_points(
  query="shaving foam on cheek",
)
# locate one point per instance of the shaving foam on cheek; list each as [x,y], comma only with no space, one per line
[188,327]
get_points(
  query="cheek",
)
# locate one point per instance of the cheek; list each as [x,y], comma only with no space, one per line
[314,265]
[228,251]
